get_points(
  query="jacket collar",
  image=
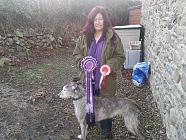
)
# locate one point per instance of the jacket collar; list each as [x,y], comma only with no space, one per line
[109,33]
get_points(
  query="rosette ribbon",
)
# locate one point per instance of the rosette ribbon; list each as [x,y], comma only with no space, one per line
[105,70]
[88,64]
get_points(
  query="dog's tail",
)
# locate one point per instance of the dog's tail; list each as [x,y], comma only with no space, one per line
[132,122]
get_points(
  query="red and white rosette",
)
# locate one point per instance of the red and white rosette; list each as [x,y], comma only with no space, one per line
[105,71]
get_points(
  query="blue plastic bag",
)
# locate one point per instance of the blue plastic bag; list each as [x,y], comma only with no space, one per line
[140,73]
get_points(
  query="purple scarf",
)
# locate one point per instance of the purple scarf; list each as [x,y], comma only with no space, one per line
[95,51]
[91,66]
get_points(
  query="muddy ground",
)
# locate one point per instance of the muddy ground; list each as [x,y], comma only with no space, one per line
[31,110]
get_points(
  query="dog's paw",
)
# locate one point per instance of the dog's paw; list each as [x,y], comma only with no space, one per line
[80,137]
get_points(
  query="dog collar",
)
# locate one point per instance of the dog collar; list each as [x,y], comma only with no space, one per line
[75,99]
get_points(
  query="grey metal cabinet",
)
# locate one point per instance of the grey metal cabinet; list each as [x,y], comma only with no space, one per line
[130,34]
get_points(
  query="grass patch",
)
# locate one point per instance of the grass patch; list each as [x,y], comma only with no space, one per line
[40,72]
[29,75]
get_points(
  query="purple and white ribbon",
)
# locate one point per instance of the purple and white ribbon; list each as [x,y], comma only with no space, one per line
[88,64]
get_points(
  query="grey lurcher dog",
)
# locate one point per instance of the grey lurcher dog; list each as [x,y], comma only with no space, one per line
[105,108]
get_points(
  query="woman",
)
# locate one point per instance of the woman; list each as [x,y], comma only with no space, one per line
[101,42]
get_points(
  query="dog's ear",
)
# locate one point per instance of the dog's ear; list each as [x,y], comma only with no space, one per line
[75,79]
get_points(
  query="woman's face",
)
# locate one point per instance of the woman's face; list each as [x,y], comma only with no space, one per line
[98,22]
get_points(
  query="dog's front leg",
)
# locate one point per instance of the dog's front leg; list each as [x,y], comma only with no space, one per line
[84,127]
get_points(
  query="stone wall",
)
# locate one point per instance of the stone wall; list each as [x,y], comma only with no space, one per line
[165,48]
[30,38]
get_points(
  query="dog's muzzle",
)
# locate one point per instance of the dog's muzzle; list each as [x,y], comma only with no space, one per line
[60,95]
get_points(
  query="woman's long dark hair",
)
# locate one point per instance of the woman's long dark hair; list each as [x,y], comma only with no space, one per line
[89,29]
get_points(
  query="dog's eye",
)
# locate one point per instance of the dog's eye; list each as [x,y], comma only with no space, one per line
[79,83]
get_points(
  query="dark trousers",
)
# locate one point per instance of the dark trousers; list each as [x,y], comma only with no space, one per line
[106,125]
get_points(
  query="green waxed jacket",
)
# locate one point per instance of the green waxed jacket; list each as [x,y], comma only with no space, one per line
[112,55]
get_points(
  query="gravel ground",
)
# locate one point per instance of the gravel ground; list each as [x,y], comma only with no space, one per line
[30,111]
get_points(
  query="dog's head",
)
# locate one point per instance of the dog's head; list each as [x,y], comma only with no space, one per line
[71,90]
